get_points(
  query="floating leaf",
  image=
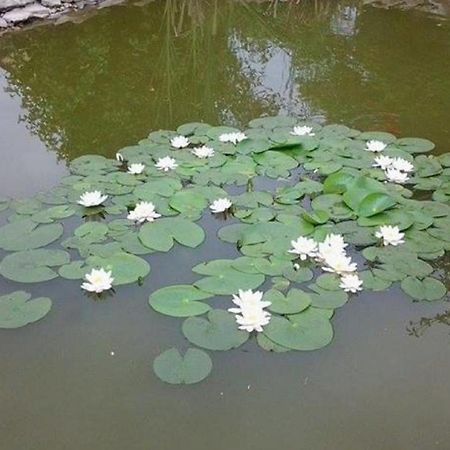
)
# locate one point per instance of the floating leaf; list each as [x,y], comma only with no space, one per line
[191,368]
[17,310]
[179,301]
[54,213]
[160,235]
[265,343]
[126,268]
[375,203]
[33,266]
[218,332]
[415,145]
[308,330]
[322,298]
[189,203]
[294,302]
[26,235]
[229,281]
[427,289]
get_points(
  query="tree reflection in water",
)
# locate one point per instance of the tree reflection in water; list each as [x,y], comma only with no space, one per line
[101,84]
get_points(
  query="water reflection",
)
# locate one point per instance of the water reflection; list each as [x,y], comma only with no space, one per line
[99,85]
[419,327]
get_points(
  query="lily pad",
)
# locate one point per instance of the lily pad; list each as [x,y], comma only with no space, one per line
[33,266]
[308,330]
[428,289]
[179,301]
[160,235]
[191,368]
[229,281]
[218,332]
[26,235]
[294,302]
[17,310]
[126,268]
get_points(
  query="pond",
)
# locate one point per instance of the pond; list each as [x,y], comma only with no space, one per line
[82,377]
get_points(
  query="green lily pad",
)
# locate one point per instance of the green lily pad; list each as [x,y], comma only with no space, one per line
[218,332]
[179,301]
[265,343]
[322,298]
[160,235]
[375,203]
[294,302]
[126,268]
[415,145]
[27,235]
[229,281]
[308,330]
[428,289]
[17,310]
[189,203]
[33,266]
[191,368]
[51,214]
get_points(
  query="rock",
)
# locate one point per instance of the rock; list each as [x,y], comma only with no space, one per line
[51,3]
[107,3]
[11,4]
[3,23]
[32,11]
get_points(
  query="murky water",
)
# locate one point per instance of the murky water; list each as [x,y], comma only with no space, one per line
[97,86]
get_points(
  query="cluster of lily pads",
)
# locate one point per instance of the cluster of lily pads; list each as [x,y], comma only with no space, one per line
[317,213]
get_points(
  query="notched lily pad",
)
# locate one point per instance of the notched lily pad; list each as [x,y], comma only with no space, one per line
[179,301]
[26,235]
[191,368]
[218,332]
[33,266]
[308,330]
[17,310]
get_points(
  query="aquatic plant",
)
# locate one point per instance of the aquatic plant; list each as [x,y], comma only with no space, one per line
[332,225]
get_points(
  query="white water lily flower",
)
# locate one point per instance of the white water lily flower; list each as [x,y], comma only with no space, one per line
[304,247]
[250,314]
[253,319]
[234,138]
[220,205]
[383,162]
[375,146]
[351,283]
[336,241]
[94,198]
[119,157]
[391,235]
[165,164]
[136,168]
[302,131]
[338,263]
[396,176]
[144,211]
[179,142]
[332,246]
[203,152]
[98,280]
[248,298]
[402,165]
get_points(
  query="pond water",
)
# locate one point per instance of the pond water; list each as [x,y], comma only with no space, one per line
[82,377]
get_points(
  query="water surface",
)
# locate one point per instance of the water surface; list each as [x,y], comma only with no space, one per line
[100,85]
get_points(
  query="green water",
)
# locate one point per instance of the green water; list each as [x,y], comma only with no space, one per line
[100,85]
